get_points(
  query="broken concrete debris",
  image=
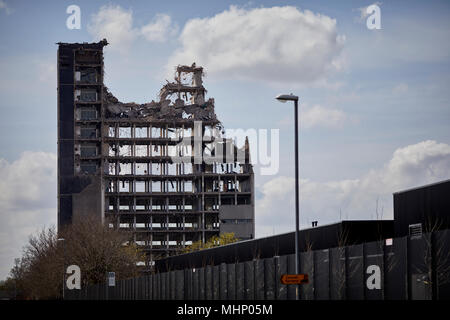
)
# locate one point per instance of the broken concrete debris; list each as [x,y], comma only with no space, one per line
[182,99]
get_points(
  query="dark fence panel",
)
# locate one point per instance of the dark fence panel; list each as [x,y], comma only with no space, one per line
[259,279]
[179,285]
[374,270]
[307,267]
[355,273]
[322,274]
[231,281]
[269,279]
[281,268]
[201,283]
[404,268]
[249,280]
[395,270]
[441,255]
[196,284]
[337,274]
[223,281]
[240,289]
[215,282]
[419,267]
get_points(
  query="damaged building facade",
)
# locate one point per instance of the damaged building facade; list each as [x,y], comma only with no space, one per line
[160,170]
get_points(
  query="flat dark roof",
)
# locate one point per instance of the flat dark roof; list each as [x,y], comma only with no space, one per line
[424,186]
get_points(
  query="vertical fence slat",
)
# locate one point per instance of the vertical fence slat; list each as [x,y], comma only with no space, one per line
[223,281]
[231,281]
[374,270]
[355,273]
[179,284]
[307,267]
[240,289]
[216,283]
[259,279]
[419,267]
[281,268]
[441,255]
[337,274]
[269,278]
[322,274]
[249,280]
[208,283]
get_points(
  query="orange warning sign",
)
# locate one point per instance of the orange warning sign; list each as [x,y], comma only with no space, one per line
[294,279]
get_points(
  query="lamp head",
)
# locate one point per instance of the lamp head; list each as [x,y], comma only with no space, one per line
[286,97]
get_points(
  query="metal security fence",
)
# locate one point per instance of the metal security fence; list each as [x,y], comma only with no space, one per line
[415,268]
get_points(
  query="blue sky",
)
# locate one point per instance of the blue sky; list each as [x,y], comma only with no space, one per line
[374,108]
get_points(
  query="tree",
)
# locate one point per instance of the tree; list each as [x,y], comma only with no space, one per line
[94,247]
[98,249]
[214,241]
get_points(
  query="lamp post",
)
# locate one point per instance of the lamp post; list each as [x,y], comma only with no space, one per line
[283,98]
[64,265]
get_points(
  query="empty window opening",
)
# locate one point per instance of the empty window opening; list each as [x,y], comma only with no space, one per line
[124,186]
[88,132]
[140,132]
[156,168]
[125,151]
[156,150]
[187,186]
[88,114]
[141,169]
[140,151]
[156,186]
[172,168]
[88,150]
[171,186]
[125,132]
[86,95]
[155,132]
[172,151]
[171,133]
[124,168]
[140,186]
[124,207]
[111,132]
[89,168]
[86,76]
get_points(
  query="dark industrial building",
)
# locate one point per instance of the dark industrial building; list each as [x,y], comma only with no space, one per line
[422,209]
[339,234]
[135,166]
[416,211]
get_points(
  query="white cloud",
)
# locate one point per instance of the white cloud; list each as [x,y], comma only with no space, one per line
[414,165]
[319,116]
[27,202]
[278,44]
[116,25]
[159,29]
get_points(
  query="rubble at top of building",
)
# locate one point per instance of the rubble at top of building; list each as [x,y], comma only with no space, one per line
[182,99]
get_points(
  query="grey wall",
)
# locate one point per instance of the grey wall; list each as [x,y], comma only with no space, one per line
[242,230]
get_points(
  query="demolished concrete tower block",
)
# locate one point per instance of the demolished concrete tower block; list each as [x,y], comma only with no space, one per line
[117,161]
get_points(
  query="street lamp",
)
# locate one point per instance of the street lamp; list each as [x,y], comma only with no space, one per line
[283,98]
[64,265]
